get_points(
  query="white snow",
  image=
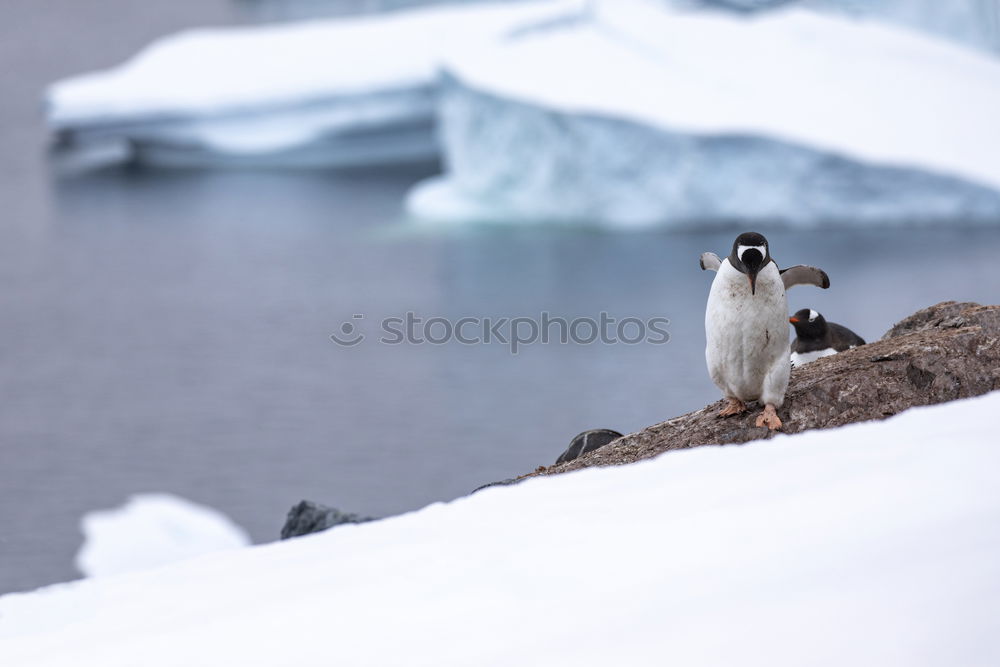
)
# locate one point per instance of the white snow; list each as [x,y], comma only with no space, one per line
[873,544]
[151,530]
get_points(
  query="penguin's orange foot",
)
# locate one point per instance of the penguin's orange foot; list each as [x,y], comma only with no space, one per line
[769,418]
[734,406]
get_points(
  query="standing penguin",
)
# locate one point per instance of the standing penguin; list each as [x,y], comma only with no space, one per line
[746,325]
[815,337]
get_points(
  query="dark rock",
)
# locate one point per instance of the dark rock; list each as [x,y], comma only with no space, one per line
[586,442]
[309,517]
[504,482]
[939,354]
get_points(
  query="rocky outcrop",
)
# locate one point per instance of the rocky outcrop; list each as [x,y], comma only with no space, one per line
[948,351]
[309,517]
[942,353]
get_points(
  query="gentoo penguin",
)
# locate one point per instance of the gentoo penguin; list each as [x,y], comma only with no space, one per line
[746,324]
[815,337]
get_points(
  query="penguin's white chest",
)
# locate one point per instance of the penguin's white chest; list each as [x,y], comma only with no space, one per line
[803,358]
[747,335]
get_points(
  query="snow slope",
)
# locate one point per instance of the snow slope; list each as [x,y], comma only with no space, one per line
[873,544]
[332,89]
[646,115]
[152,530]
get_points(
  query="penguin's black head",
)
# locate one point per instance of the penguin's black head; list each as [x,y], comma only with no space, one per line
[750,254]
[808,324]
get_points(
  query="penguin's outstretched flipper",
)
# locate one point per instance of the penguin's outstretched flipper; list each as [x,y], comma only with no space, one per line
[710,261]
[800,274]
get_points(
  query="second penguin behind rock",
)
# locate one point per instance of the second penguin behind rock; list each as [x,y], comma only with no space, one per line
[815,337]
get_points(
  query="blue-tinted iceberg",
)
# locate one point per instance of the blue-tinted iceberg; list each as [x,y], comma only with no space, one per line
[975,23]
[641,115]
[320,93]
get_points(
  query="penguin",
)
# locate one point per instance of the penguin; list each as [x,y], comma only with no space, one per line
[746,322]
[815,337]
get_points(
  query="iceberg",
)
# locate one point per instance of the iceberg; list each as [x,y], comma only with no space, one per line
[152,530]
[974,23]
[629,113]
[875,543]
[328,92]
[642,115]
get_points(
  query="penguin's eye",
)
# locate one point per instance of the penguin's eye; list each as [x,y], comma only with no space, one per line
[813,315]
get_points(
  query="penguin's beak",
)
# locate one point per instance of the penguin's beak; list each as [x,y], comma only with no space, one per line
[753,282]
[793,320]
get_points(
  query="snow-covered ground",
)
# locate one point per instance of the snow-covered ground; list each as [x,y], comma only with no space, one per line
[645,116]
[151,530]
[336,91]
[873,544]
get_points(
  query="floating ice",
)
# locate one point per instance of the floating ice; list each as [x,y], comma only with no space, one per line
[645,116]
[625,112]
[151,530]
[325,92]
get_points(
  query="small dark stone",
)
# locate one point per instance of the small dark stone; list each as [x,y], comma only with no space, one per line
[587,441]
[309,517]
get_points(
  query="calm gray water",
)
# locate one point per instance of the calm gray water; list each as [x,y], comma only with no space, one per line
[169,331]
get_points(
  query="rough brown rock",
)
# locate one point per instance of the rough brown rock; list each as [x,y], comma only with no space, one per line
[948,351]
